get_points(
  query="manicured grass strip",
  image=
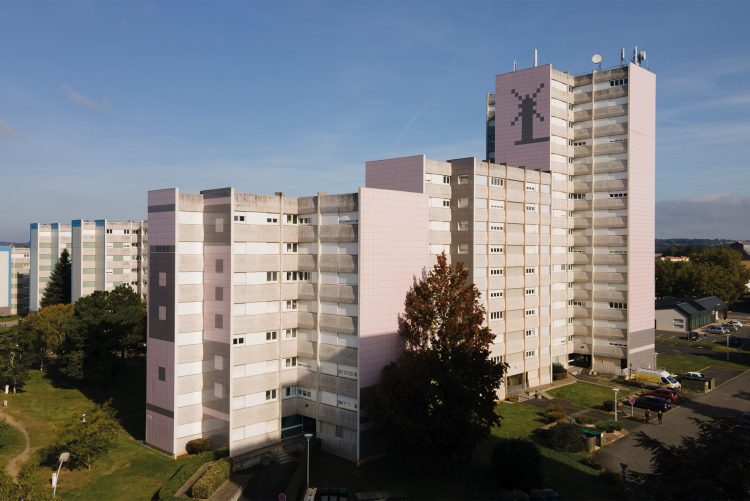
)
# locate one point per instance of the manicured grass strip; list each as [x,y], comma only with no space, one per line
[584,394]
[678,364]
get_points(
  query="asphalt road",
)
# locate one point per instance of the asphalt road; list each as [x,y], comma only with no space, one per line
[728,399]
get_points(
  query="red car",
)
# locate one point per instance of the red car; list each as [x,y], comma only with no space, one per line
[664,393]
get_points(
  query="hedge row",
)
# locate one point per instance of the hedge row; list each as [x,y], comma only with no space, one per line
[211,479]
[188,469]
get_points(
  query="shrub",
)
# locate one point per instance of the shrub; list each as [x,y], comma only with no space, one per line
[212,478]
[565,437]
[171,486]
[558,367]
[554,412]
[584,420]
[517,464]
[198,445]
[609,426]
[608,405]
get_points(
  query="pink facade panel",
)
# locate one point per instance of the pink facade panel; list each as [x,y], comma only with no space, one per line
[394,249]
[522,118]
[403,174]
[641,188]
[160,394]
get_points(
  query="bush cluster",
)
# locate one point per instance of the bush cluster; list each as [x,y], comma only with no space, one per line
[554,412]
[188,469]
[565,437]
[609,426]
[608,405]
[198,445]
[212,478]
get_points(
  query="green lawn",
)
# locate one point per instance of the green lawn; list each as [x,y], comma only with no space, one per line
[584,394]
[11,444]
[678,364]
[129,471]
[562,471]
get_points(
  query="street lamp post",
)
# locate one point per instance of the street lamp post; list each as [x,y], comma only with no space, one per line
[308,436]
[615,390]
[55,476]
[728,346]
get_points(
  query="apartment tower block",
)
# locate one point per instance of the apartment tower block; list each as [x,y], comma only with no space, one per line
[14,280]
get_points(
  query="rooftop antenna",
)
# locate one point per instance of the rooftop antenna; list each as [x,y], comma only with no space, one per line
[597,59]
[514,65]
[635,55]
[622,56]
[536,57]
[641,56]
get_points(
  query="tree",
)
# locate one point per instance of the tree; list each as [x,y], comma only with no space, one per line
[436,401]
[87,437]
[59,288]
[50,327]
[715,464]
[517,464]
[17,355]
[108,327]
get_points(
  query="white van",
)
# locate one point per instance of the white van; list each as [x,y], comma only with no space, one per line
[653,378]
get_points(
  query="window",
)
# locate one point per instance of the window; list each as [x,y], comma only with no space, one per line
[291,304]
[446,180]
[219,294]
[531,292]
[570,338]
[496,315]
[496,271]
[463,248]
[530,208]
[218,321]
[496,181]
[238,340]
[463,203]
[575,303]
[570,285]
[618,306]
[291,219]
[530,271]
[109,231]
[240,219]
[618,82]
[272,220]
[498,359]
[272,276]
[496,227]
[463,179]
[295,276]
[618,195]
[496,250]
[446,203]
[339,432]
[530,187]
[162,278]
[290,333]
[270,335]
[305,220]
[571,320]
[530,332]
[496,293]
[270,394]
[290,391]
[496,204]
[530,353]
[463,226]
[576,196]
[291,248]
[290,362]
[531,312]
[219,266]
[162,374]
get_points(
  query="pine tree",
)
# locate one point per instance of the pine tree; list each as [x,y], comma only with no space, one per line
[58,289]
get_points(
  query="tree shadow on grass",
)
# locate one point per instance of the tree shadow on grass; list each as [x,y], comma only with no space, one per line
[126,389]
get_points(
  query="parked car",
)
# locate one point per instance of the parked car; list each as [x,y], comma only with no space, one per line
[735,322]
[663,393]
[652,403]
[695,376]
[694,336]
[716,329]
[730,327]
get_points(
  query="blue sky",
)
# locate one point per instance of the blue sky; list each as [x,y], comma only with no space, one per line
[102,101]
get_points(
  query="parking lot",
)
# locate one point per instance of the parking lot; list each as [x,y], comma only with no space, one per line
[669,342]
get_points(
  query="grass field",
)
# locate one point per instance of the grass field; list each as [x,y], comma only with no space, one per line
[562,471]
[11,444]
[677,364]
[584,394]
[129,471]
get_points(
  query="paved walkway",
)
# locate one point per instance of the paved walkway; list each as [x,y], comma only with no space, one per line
[14,465]
[728,399]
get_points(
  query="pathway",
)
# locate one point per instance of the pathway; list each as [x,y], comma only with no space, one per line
[14,465]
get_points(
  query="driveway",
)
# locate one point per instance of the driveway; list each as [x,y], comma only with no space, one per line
[728,399]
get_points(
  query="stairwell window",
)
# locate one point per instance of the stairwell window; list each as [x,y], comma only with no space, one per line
[496,315]
[618,306]
[496,293]
[530,332]
[496,181]
[531,271]
[496,250]
[531,312]
[531,292]
[496,271]
[496,227]
[531,354]
[530,208]
[463,226]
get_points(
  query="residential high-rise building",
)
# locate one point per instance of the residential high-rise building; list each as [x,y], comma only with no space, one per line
[269,316]
[47,243]
[103,255]
[14,280]
[106,254]
[595,134]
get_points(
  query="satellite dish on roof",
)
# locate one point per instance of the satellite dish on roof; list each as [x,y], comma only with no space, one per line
[596,58]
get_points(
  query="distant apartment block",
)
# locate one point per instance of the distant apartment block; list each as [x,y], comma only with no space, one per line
[103,254]
[14,280]
[269,315]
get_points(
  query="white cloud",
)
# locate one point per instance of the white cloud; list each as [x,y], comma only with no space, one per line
[81,100]
[7,131]
[711,215]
